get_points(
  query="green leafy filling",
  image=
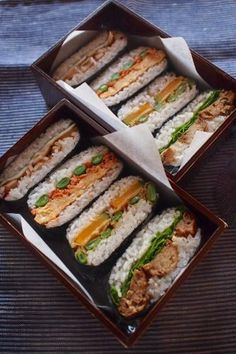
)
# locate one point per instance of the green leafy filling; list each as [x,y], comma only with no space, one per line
[114,295]
[158,242]
[179,131]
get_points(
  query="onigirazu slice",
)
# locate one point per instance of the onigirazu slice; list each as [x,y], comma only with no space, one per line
[67,191]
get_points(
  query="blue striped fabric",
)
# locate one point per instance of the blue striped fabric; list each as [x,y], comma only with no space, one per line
[36,313]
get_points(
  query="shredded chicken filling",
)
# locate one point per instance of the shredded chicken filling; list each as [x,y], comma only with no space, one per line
[223,105]
[90,59]
[39,158]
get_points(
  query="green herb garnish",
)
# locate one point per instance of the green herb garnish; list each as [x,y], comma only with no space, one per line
[151,193]
[63,183]
[106,233]
[117,216]
[81,257]
[42,201]
[103,88]
[92,244]
[97,159]
[128,64]
[79,170]
[134,200]
[115,76]
[158,106]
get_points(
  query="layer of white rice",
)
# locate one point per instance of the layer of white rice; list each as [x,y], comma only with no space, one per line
[111,52]
[157,286]
[66,170]
[213,125]
[27,182]
[130,220]
[143,80]
[157,118]
[139,246]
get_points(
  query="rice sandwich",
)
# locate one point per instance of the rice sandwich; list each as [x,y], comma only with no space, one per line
[38,159]
[205,113]
[98,231]
[160,100]
[73,186]
[128,74]
[157,255]
[92,57]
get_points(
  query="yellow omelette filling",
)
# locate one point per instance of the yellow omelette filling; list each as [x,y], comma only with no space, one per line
[131,72]
[109,218]
[59,199]
[141,114]
[39,158]
[89,60]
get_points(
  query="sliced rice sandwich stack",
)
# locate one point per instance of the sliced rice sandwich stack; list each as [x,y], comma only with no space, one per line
[67,191]
[91,58]
[165,96]
[99,231]
[205,113]
[38,159]
[129,74]
[157,255]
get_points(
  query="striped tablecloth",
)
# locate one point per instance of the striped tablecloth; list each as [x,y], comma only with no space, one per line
[37,314]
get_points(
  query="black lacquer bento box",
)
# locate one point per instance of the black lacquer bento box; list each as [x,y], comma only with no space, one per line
[114,16]
[92,293]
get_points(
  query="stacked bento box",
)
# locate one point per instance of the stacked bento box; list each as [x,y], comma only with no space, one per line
[125,232]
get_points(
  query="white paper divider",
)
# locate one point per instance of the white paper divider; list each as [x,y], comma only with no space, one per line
[140,145]
[181,58]
[32,236]
[90,99]
[198,140]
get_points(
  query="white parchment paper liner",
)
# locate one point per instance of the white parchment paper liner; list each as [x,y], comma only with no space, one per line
[139,144]
[33,237]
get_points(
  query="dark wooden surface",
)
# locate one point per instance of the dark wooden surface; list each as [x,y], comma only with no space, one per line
[37,314]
